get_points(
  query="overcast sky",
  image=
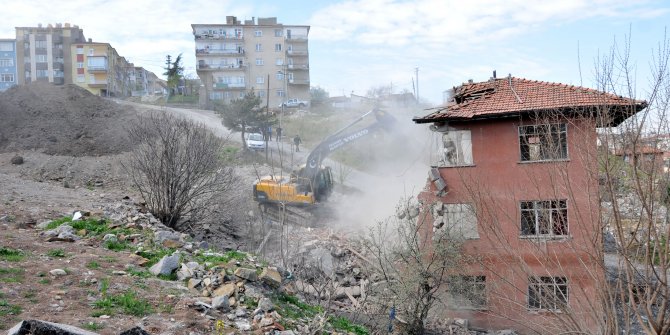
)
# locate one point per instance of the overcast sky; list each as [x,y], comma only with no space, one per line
[359,44]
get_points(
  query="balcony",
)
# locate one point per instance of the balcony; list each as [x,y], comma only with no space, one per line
[219,37]
[296,38]
[209,51]
[223,86]
[298,81]
[298,67]
[296,52]
[97,69]
[220,67]
[97,84]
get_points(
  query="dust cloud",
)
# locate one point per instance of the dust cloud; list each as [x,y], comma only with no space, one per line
[400,162]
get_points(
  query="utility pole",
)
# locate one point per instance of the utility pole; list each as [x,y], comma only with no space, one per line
[416,70]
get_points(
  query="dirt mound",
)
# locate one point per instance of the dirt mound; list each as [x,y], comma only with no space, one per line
[62,120]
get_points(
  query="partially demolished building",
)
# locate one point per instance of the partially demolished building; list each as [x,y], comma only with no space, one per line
[518,177]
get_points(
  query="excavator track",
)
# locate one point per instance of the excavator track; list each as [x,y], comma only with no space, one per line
[313,216]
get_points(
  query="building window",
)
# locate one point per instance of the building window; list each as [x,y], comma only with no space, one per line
[467,292]
[80,65]
[258,33]
[7,77]
[279,61]
[279,33]
[543,142]
[80,50]
[261,94]
[90,52]
[457,148]
[544,218]
[278,47]
[260,80]
[40,58]
[42,73]
[259,61]
[6,46]
[548,293]
[6,62]
[238,32]
[460,219]
[41,44]
[259,47]
[280,93]
[81,78]
[280,75]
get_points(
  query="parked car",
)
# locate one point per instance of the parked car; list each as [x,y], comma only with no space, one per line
[294,103]
[255,141]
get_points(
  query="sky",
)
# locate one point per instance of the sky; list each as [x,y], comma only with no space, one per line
[421,46]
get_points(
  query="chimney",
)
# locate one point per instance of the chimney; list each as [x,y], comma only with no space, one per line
[494,74]
[470,81]
[90,40]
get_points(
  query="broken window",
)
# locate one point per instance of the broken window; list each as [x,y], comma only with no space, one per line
[548,293]
[544,218]
[543,142]
[457,148]
[461,219]
[467,292]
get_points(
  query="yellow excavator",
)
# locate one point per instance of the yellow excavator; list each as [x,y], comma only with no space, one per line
[297,196]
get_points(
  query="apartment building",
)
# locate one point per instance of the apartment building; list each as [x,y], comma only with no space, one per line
[7,63]
[44,53]
[516,176]
[262,55]
[97,67]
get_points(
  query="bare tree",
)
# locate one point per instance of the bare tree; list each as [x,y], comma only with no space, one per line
[413,261]
[177,168]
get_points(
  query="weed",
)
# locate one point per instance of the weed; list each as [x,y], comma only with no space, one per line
[11,275]
[139,273]
[343,324]
[126,303]
[30,295]
[171,277]
[155,255]
[116,245]
[292,307]
[166,308]
[104,286]
[225,258]
[45,281]
[109,259]
[92,225]
[8,309]
[93,326]
[93,265]
[11,255]
[60,253]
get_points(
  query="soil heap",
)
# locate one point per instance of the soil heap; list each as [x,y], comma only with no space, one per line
[62,120]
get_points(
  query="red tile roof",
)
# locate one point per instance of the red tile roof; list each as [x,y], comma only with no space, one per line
[503,97]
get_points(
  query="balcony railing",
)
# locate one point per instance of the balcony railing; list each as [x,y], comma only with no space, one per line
[221,67]
[229,85]
[97,69]
[219,37]
[296,52]
[296,38]
[298,67]
[299,81]
[219,51]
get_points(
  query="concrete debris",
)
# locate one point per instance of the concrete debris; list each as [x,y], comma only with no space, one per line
[166,265]
[39,327]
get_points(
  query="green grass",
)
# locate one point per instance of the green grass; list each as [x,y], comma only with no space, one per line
[293,308]
[56,253]
[93,265]
[225,258]
[154,256]
[116,245]
[171,277]
[11,255]
[126,303]
[8,309]
[343,324]
[11,275]
[139,273]
[93,226]
[93,326]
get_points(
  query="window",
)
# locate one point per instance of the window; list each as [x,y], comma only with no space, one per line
[90,51]
[543,142]
[280,75]
[97,63]
[548,293]
[7,78]
[278,47]
[42,73]
[461,219]
[279,61]
[258,33]
[259,47]
[261,94]
[80,50]
[280,93]
[467,292]
[41,58]
[5,62]
[260,80]
[238,32]
[544,218]
[259,61]
[6,46]
[457,148]
[81,78]
[80,65]
[278,33]
[40,44]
